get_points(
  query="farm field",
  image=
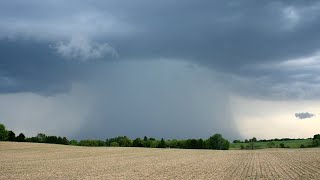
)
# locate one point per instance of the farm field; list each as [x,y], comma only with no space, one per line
[48,161]
[262,145]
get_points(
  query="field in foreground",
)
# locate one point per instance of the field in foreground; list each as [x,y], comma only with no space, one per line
[46,161]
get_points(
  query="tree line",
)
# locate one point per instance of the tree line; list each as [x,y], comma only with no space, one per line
[250,143]
[214,142]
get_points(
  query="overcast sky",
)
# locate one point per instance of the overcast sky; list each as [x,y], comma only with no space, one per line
[169,68]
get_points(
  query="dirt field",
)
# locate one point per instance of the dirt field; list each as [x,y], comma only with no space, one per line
[45,161]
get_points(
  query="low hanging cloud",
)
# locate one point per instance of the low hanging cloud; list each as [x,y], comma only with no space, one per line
[304,115]
[84,49]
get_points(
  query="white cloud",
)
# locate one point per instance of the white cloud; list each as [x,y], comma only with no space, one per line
[83,49]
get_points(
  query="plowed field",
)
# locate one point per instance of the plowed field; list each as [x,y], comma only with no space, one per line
[45,161]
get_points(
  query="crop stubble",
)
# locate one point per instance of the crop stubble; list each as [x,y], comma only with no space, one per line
[46,161]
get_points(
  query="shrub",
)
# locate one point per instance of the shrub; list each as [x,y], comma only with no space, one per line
[271,144]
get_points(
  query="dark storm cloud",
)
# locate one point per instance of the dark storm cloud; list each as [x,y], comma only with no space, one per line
[230,37]
[32,67]
[304,115]
[264,49]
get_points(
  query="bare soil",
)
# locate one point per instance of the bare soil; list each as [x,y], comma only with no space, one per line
[46,161]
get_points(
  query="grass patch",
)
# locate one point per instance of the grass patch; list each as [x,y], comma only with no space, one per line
[274,144]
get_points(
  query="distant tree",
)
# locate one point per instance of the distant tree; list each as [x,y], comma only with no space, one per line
[73,142]
[145,138]
[251,145]
[147,143]
[253,139]
[236,141]
[191,144]
[65,141]
[11,136]
[206,144]
[3,133]
[173,143]
[271,144]
[317,136]
[91,143]
[316,142]
[42,138]
[32,139]
[218,142]
[200,144]
[114,144]
[246,141]
[242,147]
[59,140]
[282,145]
[154,144]
[21,138]
[137,143]
[162,144]
[123,141]
[52,139]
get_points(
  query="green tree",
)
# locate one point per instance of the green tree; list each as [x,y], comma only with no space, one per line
[125,141]
[11,136]
[73,142]
[316,142]
[147,143]
[114,144]
[271,144]
[317,136]
[162,144]
[218,142]
[253,139]
[65,141]
[173,143]
[3,133]
[42,138]
[154,144]
[21,138]
[137,143]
